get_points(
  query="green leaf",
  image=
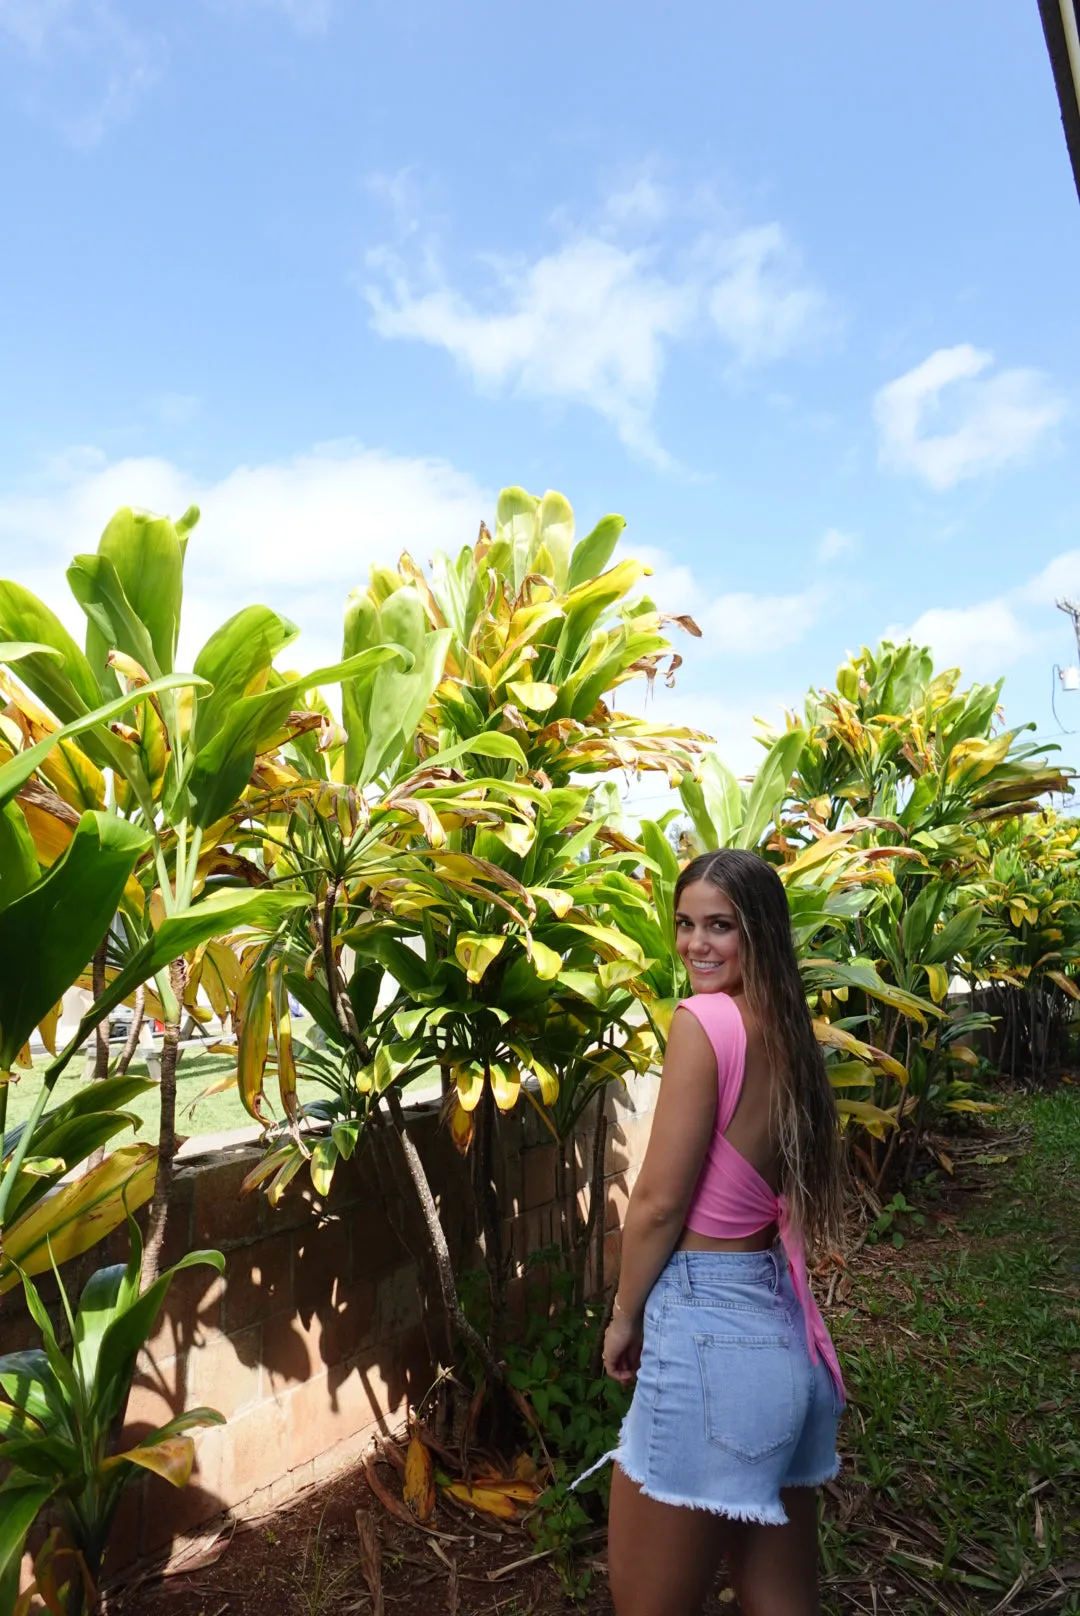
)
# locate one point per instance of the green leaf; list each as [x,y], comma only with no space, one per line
[766,796]
[324,1159]
[220,771]
[489,743]
[18,860]
[59,674]
[20,1510]
[595,550]
[127,1333]
[109,1095]
[147,553]
[97,1309]
[223,911]
[17,770]
[113,622]
[235,654]
[714,802]
[30,1384]
[66,913]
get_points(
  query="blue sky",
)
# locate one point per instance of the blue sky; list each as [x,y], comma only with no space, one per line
[791,287]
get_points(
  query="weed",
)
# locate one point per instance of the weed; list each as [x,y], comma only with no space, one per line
[962,1424]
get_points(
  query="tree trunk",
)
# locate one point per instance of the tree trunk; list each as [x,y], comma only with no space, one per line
[138,1014]
[159,1206]
[101,1031]
[487,1201]
[596,1198]
[440,1251]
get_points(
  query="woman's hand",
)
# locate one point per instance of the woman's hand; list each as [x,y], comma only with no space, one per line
[622,1347]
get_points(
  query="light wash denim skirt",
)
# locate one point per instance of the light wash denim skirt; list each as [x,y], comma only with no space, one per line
[728,1408]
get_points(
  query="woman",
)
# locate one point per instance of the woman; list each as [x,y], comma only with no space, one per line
[738,1395]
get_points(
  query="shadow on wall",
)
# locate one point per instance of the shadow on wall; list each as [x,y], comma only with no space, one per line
[314,1339]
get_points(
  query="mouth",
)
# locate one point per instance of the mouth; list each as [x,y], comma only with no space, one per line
[703,967]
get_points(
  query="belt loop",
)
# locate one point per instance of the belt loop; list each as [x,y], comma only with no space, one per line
[774,1278]
[684,1274]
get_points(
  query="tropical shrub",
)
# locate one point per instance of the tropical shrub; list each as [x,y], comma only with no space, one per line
[60,1413]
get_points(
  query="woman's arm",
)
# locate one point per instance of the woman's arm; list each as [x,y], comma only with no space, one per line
[682,1127]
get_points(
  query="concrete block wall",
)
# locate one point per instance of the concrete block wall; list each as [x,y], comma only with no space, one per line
[313,1339]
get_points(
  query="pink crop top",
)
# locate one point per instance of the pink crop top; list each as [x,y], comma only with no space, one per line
[731,1199]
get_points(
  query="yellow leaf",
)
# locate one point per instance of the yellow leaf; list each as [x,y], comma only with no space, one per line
[461,1129]
[961,1052]
[546,962]
[253,1038]
[516,836]
[505,1084]
[171,1459]
[548,1081]
[938,977]
[469,1080]
[419,1489]
[872,1117]
[474,953]
[536,697]
[75,1216]
[47,1027]
[1065,983]
[486,1500]
[838,1038]
[560,903]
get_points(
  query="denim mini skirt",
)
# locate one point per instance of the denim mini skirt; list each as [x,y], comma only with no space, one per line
[728,1408]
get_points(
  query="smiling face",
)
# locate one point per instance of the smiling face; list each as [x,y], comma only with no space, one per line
[707,937]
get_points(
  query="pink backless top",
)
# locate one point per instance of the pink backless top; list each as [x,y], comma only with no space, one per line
[731,1199]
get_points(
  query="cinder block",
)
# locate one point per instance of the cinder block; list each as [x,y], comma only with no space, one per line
[192,1311]
[343,1455]
[291,1351]
[126,1537]
[538,1167]
[397,1304]
[326,1411]
[227,1374]
[322,1261]
[617,1199]
[222,1215]
[256,1450]
[158,1394]
[258,1283]
[348,1324]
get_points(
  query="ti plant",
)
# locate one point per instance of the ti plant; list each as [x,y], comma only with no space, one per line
[60,1413]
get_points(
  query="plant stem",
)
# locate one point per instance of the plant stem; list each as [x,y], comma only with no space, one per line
[101,1031]
[138,1015]
[159,1207]
[440,1251]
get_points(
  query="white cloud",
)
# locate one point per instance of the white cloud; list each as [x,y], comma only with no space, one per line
[946,420]
[833,544]
[587,323]
[88,66]
[742,624]
[592,321]
[758,305]
[988,636]
[983,639]
[296,535]
[306,16]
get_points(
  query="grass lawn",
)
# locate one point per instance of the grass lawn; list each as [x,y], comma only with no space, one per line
[961,1484]
[196,1072]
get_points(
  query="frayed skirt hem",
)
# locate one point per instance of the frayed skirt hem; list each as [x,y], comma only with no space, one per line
[759,1514]
[817,1481]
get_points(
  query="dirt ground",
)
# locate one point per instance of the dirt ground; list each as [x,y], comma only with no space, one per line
[338,1550]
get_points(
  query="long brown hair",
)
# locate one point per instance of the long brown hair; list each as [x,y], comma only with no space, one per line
[804,1109]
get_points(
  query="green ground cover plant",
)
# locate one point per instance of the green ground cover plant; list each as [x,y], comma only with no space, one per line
[961,1489]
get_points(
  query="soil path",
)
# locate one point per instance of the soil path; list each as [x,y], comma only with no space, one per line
[961,1483]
